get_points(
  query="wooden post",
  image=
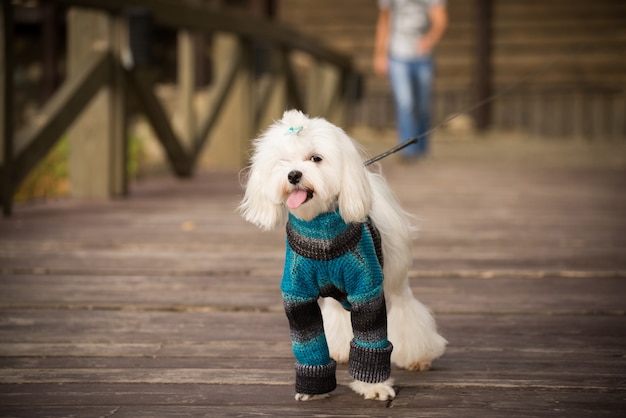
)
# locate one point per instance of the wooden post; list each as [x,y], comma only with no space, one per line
[97,145]
[327,92]
[186,88]
[117,108]
[315,89]
[578,115]
[242,110]
[338,111]
[202,76]
[270,106]
[6,99]
[618,131]
[483,62]
[230,138]
[50,50]
[294,99]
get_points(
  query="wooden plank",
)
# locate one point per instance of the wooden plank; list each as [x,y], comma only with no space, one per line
[193,332]
[178,376]
[592,295]
[585,222]
[168,303]
[465,369]
[488,356]
[431,404]
[535,407]
[135,350]
[102,327]
[505,377]
[450,369]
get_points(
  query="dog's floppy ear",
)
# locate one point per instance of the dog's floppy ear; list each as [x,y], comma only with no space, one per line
[355,195]
[257,205]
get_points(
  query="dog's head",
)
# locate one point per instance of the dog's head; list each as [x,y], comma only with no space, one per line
[306,166]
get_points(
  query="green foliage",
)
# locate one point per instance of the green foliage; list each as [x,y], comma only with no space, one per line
[49,179]
[135,157]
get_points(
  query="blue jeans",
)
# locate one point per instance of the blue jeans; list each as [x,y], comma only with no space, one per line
[411,87]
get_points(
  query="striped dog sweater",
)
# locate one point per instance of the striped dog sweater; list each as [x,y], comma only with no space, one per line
[329,258]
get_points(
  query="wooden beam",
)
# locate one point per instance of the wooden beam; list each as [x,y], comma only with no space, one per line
[177,156]
[188,16]
[191,17]
[6,106]
[33,142]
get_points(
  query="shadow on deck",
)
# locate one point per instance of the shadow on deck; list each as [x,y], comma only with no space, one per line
[167,303]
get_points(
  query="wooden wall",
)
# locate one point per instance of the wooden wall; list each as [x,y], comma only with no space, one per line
[582,93]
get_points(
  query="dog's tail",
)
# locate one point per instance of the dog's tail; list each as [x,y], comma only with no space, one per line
[413,331]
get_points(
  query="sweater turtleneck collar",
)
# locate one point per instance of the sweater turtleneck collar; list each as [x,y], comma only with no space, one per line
[323,238]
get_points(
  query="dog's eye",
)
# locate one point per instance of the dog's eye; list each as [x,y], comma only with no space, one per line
[316,159]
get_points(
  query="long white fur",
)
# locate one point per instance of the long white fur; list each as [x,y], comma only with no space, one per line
[341,180]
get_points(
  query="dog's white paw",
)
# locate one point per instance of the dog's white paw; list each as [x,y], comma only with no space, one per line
[420,366]
[382,391]
[305,397]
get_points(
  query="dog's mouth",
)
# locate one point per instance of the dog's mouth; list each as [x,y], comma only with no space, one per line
[299,197]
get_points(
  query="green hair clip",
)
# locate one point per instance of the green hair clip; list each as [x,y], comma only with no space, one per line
[294,131]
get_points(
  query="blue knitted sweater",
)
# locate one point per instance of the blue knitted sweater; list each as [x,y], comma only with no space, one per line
[330,258]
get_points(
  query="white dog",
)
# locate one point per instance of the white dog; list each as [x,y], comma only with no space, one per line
[308,173]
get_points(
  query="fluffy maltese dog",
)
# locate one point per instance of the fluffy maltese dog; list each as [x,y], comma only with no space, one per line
[345,233]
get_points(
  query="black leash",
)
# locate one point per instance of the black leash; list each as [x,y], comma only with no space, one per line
[394,149]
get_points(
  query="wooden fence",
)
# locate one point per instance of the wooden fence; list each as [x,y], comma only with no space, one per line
[102,69]
[583,113]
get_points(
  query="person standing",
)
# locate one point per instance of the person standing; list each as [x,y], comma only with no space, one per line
[406,34]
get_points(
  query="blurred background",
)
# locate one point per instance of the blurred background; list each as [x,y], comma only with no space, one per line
[565,58]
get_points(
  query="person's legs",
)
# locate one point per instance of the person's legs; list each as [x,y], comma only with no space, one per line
[403,89]
[422,72]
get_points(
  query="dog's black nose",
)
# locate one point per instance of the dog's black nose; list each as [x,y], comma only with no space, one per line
[294,176]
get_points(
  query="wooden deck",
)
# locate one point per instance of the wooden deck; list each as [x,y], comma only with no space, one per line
[167,303]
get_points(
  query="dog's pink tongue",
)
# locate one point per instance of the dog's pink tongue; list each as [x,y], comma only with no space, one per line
[296,198]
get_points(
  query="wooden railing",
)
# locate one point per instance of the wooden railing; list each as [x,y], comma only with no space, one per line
[99,68]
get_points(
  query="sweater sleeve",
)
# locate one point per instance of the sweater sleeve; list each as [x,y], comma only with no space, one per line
[370,350]
[315,370]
